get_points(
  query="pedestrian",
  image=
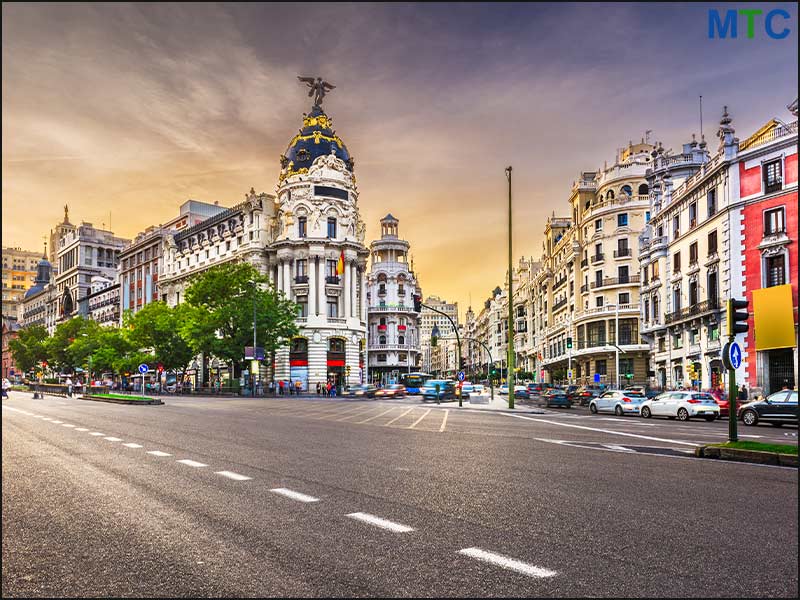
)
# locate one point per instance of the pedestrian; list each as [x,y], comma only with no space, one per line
[6,387]
[69,387]
[328,387]
[280,387]
[298,387]
[785,384]
[271,387]
[743,394]
[319,389]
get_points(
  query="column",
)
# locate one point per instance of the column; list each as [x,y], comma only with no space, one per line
[346,289]
[323,307]
[312,286]
[353,286]
[287,278]
[363,295]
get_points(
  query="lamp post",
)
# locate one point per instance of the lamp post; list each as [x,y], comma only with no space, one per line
[510,301]
[254,367]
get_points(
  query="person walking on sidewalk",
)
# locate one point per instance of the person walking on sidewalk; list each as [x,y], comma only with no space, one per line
[6,387]
[298,387]
[69,387]
[280,387]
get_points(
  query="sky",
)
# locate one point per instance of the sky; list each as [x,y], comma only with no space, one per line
[124,111]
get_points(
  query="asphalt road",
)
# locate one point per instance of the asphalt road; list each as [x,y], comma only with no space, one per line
[366,498]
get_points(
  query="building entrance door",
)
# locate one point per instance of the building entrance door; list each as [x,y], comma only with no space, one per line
[780,365]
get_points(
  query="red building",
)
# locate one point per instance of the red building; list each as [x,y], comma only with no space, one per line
[10,329]
[767,173]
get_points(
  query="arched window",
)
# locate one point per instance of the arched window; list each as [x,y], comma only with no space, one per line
[610,195]
[401,340]
[299,345]
[627,190]
[382,339]
[644,190]
[336,345]
[382,321]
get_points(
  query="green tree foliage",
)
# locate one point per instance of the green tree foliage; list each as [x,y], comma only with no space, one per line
[157,328]
[219,315]
[30,347]
[60,354]
[113,349]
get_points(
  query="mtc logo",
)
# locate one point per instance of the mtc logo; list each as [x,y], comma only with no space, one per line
[720,26]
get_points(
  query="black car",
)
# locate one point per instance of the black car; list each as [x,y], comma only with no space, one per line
[583,395]
[777,408]
[522,393]
[360,391]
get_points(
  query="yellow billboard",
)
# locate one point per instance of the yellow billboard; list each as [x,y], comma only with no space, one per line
[773,316]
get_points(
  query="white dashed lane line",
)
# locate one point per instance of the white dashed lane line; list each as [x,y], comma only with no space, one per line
[133,445]
[81,429]
[507,563]
[192,463]
[113,439]
[96,433]
[67,425]
[59,422]
[294,495]
[232,475]
[382,523]
[159,453]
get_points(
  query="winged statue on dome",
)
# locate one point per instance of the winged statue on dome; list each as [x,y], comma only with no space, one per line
[316,88]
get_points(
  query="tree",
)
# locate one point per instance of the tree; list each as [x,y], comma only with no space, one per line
[219,316]
[157,327]
[113,349]
[58,347]
[29,348]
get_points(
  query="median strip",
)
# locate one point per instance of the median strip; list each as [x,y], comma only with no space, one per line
[507,563]
[378,522]
[294,495]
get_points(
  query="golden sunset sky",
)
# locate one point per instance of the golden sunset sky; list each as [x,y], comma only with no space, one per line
[130,110]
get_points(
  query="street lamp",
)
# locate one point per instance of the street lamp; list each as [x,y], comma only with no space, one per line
[510,301]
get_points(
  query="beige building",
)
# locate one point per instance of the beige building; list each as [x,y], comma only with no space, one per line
[19,275]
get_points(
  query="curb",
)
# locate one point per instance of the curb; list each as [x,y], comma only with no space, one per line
[151,402]
[750,456]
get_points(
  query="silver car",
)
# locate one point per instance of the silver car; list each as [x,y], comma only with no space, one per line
[682,405]
[619,402]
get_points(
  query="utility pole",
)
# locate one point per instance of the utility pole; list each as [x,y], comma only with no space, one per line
[458,340]
[616,341]
[510,300]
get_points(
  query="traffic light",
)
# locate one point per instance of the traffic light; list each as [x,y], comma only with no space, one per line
[462,364]
[417,303]
[569,342]
[347,370]
[737,321]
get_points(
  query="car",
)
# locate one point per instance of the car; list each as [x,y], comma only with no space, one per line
[777,408]
[556,399]
[477,389]
[583,395]
[467,387]
[361,391]
[648,393]
[618,402]
[570,391]
[521,392]
[503,390]
[535,389]
[447,390]
[682,405]
[394,390]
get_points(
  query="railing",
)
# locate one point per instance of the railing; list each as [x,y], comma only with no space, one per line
[334,279]
[759,140]
[404,347]
[585,262]
[560,303]
[610,309]
[396,308]
[659,241]
[777,231]
[337,320]
[598,258]
[584,288]
[622,252]
[692,311]
[607,281]
[559,283]
[301,279]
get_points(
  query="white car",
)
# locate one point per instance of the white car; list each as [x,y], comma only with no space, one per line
[503,391]
[681,405]
[618,402]
[478,389]
[467,387]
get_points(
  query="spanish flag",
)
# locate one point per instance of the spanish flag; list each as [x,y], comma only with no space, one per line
[340,264]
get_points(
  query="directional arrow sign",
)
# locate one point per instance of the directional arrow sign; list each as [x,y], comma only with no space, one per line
[732,355]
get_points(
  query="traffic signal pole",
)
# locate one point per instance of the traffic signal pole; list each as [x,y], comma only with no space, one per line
[455,329]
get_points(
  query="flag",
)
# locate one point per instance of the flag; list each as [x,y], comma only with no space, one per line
[340,264]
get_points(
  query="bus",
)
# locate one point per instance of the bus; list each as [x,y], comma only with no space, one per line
[414,382]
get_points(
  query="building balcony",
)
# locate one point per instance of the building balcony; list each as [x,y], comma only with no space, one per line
[598,258]
[609,281]
[332,279]
[659,243]
[694,349]
[559,282]
[712,258]
[622,253]
[584,288]
[692,312]
[301,279]
[584,263]
[399,347]
[387,308]
[560,304]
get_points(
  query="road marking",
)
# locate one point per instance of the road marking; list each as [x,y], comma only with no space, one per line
[378,522]
[232,475]
[375,417]
[133,445]
[113,439]
[159,453]
[399,416]
[67,425]
[750,436]
[96,433]
[81,429]
[294,495]
[418,420]
[192,463]
[444,421]
[349,414]
[635,435]
[618,448]
[59,422]
[507,563]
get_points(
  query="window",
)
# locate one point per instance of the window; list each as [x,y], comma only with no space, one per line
[300,267]
[712,243]
[331,227]
[647,216]
[622,247]
[333,306]
[600,367]
[713,332]
[654,270]
[676,226]
[676,262]
[302,302]
[335,345]
[774,221]
[302,224]
[330,268]
[676,299]
[772,176]
[677,341]
[598,301]
[713,290]
[625,366]
[381,358]
[622,220]
[623,275]
[403,357]
[694,336]
[662,344]
[598,225]
[775,270]
[598,279]
[401,339]
[646,309]
[598,252]
[227,246]
[692,293]
[693,253]
[711,203]
[625,298]
[382,340]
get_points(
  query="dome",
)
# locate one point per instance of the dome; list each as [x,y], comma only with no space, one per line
[315,139]
[33,290]
[43,270]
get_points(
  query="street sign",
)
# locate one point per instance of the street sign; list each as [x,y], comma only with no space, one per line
[569,374]
[732,355]
[143,368]
[597,377]
[251,353]
[461,375]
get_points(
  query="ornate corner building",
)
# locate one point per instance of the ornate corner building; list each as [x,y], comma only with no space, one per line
[393,325]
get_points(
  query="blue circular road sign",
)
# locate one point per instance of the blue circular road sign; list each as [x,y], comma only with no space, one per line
[143,368]
[735,355]
[461,375]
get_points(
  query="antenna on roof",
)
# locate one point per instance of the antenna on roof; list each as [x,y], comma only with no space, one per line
[701,117]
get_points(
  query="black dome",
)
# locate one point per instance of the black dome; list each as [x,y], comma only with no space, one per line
[315,139]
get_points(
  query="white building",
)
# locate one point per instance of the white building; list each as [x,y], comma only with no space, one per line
[440,359]
[393,331]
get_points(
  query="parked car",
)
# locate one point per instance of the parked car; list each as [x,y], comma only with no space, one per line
[447,390]
[583,395]
[570,391]
[503,390]
[618,402]
[648,393]
[681,405]
[777,408]
[361,391]
[394,390]
[556,399]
